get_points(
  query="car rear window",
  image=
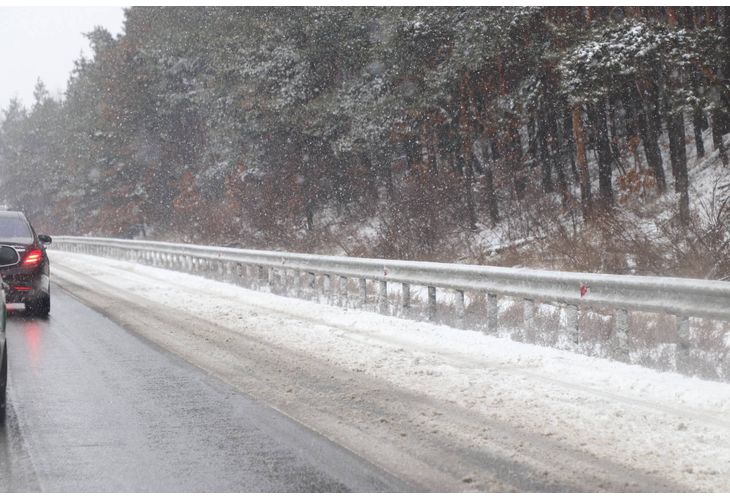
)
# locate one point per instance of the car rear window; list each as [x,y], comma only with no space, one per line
[15,230]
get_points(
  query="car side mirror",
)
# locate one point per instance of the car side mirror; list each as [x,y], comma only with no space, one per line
[44,238]
[8,256]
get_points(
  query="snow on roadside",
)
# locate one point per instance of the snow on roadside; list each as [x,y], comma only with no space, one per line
[654,421]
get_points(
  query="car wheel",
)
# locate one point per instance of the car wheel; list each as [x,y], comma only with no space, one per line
[40,307]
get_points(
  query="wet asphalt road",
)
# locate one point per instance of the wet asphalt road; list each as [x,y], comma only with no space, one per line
[95,408]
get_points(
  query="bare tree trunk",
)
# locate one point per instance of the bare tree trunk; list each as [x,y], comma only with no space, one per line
[491,196]
[717,133]
[488,165]
[582,161]
[721,113]
[557,156]
[372,185]
[543,149]
[432,142]
[466,162]
[309,213]
[465,155]
[698,124]
[600,128]
[648,121]
[570,143]
[678,155]
[513,157]
[386,173]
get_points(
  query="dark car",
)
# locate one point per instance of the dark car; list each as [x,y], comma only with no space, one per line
[8,257]
[28,280]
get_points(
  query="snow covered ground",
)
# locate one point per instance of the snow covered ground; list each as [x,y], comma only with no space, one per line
[444,408]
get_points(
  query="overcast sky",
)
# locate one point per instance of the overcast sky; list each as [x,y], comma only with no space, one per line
[44,42]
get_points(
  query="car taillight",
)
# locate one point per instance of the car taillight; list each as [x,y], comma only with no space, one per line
[32,258]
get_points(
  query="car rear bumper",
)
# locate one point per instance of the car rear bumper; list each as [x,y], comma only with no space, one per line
[24,286]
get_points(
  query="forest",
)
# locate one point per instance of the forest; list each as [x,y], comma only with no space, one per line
[556,137]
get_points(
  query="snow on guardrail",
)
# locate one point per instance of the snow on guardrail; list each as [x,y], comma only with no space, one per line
[683,298]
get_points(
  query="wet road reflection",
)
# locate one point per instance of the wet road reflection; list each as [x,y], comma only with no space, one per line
[94,408]
[30,328]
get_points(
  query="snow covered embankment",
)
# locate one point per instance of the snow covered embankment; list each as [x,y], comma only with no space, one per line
[581,422]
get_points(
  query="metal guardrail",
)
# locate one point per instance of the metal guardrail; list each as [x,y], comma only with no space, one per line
[683,298]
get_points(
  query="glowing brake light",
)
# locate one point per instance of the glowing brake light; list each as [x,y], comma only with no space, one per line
[32,258]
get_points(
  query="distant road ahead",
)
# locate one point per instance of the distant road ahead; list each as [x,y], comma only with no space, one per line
[95,408]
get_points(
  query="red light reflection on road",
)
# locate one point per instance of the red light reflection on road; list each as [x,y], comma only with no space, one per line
[32,334]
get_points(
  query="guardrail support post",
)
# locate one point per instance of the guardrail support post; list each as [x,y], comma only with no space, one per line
[528,322]
[246,276]
[334,298]
[297,283]
[238,273]
[279,281]
[342,302]
[460,308]
[383,297]
[312,286]
[327,288]
[683,344]
[431,311]
[571,327]
[492,312]
[406,298]
[260,277]
[304,285]
[270,277]
[363,286]
[621,334]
